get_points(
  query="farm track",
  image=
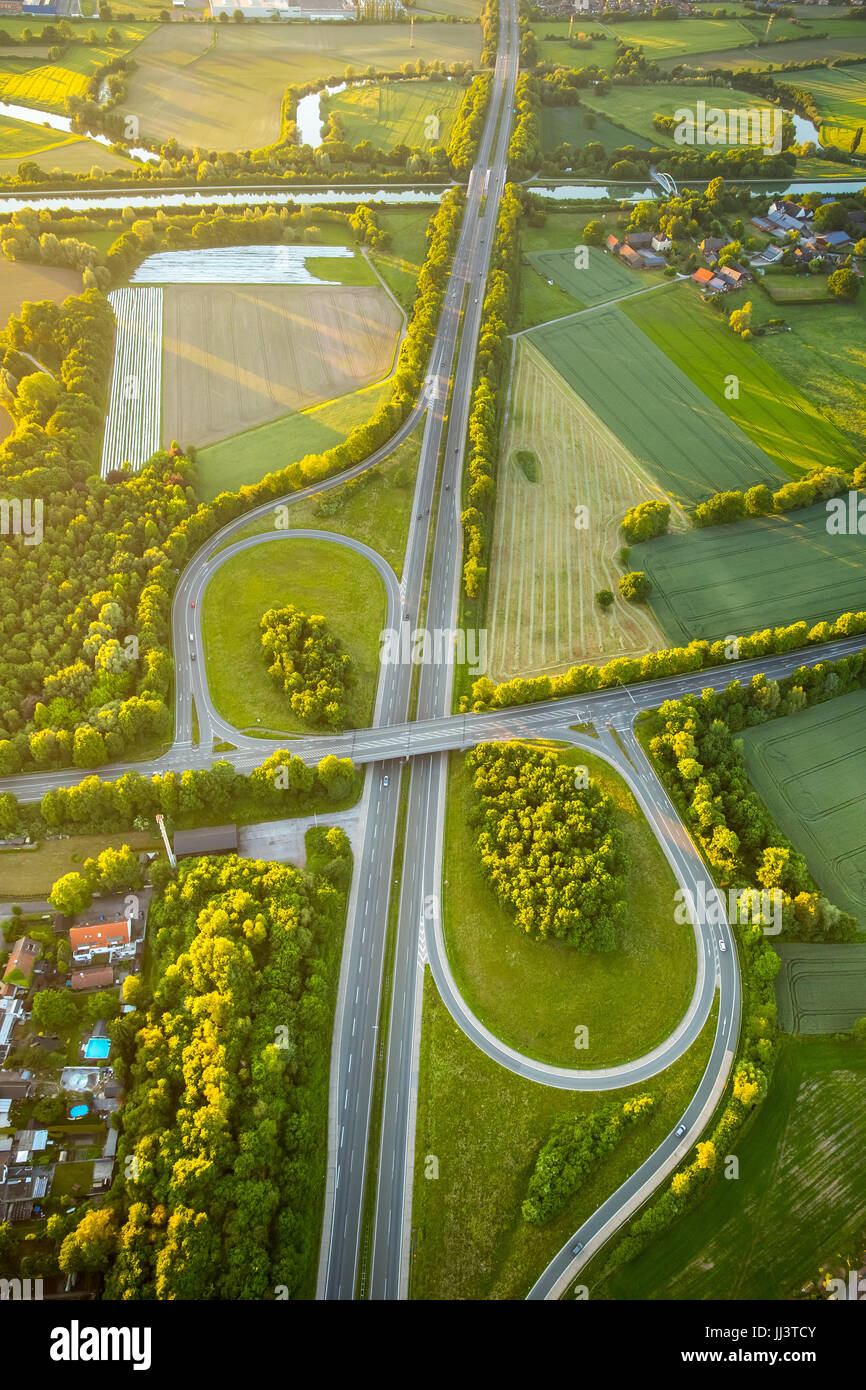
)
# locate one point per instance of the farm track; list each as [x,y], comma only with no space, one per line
[134,410]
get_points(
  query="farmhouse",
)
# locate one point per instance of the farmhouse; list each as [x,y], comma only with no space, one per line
[638,240]
[707,280]
[710,246]
[632,258]
[612,243]
[733,276]
[784,208]
[781,222]
[661,243]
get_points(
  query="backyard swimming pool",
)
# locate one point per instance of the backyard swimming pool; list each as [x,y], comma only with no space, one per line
[97,1049]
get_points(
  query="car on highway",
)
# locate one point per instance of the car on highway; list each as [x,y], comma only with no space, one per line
[384,781]
[577,1248]
[722,946]
[191,637]
[192,605]
[680,1131]
[193,655]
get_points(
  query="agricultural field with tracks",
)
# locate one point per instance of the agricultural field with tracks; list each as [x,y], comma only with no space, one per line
[605,278]
[21,283]
[789,428]
[545,573]
[575,125]
[221,88]
[396,113]
[634,107]
[810,770]
[34,81]
[687,443]
[236,356]
[754,574]
[821,988]
[133,420]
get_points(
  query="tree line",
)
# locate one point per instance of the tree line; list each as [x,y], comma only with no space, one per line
[576,1146]
[309,663]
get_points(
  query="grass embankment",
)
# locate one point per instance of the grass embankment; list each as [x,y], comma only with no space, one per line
[315,576]
[486,1125]
[533,994]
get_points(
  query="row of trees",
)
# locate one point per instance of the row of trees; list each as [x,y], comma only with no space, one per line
[225,1063]
[469,125]
[553,851]
[309,663]
[818,485]
[576,1146]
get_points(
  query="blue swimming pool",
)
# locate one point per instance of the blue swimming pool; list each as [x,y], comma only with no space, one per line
[77,1111]
[97,1049]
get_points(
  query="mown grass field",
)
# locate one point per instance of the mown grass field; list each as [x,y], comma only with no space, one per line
[728,580]
[532,994]
[773,412]
[21,141]
[820,988]
[685,440]
[315,576]
[840,94]
[32,873]
[545,572]
[246,458]
[33,82]
[634,107]
[601,53]
[810,770]
[824,357]
[797,289]
[604,278]
[400,263]
[375,511]
[486,1125]
[575,125]
[396,113]
[679,37]
[221,86]
[844,40]
[800,1196]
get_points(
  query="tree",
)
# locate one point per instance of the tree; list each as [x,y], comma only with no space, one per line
[635,586]
[71,894]
[54,1010]
[740,320]
[593,233]
[91,1245]
[604,598]
[844,284]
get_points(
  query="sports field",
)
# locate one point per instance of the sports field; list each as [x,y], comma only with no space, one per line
[825,358]
[221,86]
[237,356]
[804,1153]
[545,572]
[396,113]
[317,577]
[777,417]
[752,575]
[810,769]
[821,988]
[604,278]
[686,441]
[574,125]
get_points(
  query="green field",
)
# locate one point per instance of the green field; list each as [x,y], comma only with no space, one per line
[531,994]
[21,141]
[396,113]
[777,417]
[221,86]
[485,1126]
[34,82]
[32,873]
[315,576]
[601,54]
[377,512]
[676,38]
[825,358]
[754,574]
[605,278]
[797,289]
[687,442]
[843,41]
[810,770]
[575,125]
[400,263]
[800,1195]
[840,94]
[820,988]
[634,107]
[246,458]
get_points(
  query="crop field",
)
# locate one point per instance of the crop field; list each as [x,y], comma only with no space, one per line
[48,85]
[254,265]
[842,42]
[777,417]
[606,277]
[825,358]
[20,282]
[221,88]
[72,156]
[680,37]
[574,125]
[247,457]
[132,423]
[821,988]
[804,1153]
[601,53]
[688,444]
[751,575]
[396,113]
[810,769]
[18,140]
[237,356]
[545,572]
[634,107]
[840,94]
[317,577]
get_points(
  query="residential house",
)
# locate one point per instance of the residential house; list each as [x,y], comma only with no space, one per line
[710,246]
[832,241]
[764,225]
[734,275]
[99,937]
[11,1013]
[708,280]
[22,1186]
[785,208]
[661,243]
[18,974]
[783,223]
[92,977]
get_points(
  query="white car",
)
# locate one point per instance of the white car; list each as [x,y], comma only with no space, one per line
[384,781]
[722,946]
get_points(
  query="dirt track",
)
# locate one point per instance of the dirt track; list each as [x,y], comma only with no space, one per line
[238,356]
